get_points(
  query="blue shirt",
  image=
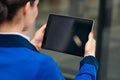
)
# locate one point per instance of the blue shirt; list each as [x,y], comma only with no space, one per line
[19,60]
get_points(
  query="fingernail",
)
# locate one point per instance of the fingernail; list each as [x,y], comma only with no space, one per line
[92,33]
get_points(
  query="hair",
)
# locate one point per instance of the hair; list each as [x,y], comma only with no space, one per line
[8,8]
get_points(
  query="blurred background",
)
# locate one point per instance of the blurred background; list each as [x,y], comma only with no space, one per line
[106,14]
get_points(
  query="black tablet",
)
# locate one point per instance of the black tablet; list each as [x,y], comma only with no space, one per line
[67,34]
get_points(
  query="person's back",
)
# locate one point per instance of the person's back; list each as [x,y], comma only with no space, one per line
[22,62]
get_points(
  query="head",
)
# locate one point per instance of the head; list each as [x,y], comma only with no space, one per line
[18,12]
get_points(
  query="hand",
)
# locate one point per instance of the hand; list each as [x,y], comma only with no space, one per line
[38,37]
[90,46]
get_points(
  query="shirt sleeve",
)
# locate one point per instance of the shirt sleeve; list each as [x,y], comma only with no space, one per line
[88,69]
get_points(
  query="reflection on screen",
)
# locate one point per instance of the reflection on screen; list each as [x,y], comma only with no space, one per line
[77,41]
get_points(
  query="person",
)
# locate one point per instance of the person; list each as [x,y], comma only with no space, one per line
[20,58]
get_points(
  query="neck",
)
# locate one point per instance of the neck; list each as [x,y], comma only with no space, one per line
[11,27]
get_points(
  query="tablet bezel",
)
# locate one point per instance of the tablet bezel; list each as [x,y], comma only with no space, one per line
[47,32]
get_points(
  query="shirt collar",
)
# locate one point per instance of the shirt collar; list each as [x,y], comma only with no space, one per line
[15,33]
[15,40]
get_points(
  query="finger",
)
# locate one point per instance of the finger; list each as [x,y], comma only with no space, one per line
[42,29]
[91,35]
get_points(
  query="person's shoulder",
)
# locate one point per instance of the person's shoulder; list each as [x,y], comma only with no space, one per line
[43,56]
[40,56]
[35,56]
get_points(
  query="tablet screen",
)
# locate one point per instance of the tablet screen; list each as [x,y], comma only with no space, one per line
[67,34]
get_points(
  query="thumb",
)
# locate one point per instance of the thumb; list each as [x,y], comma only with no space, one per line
[42,29]
[91,35]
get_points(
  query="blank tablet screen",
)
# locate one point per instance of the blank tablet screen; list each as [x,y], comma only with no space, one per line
[67,34]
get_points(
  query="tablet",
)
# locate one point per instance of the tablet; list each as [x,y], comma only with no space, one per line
[67,34]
